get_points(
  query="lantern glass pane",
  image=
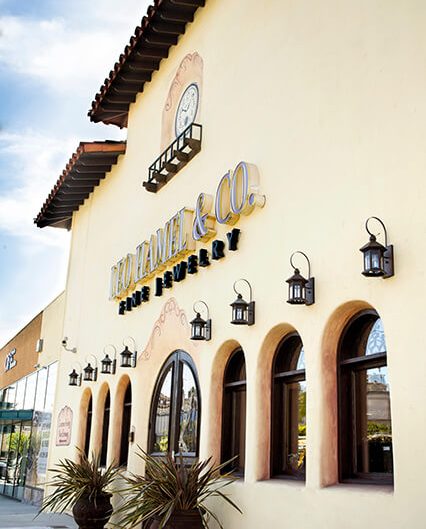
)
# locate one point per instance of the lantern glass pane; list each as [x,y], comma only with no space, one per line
[239,313]
[375,260]
[297,290]
[197,329]
[367,261]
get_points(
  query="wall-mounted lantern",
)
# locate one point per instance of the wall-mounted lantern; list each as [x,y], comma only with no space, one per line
[201,329]
[242,312]
[109,365]
[128,359]
[74,378]
[378,259]
[90,374]
[301,291]
[132,435]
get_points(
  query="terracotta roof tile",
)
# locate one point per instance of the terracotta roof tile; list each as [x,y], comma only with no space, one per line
[86,167]
[159,30]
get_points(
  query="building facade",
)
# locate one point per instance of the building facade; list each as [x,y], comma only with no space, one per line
[27,394]
[260,140]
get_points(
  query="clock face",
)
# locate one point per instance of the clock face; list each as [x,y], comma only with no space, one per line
[187,108]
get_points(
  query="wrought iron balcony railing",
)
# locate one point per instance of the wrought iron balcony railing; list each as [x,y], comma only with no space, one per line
[176,156]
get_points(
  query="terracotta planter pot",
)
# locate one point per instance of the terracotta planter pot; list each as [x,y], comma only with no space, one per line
[91,515]
[181,520]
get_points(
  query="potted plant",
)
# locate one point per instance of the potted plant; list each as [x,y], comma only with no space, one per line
[171,494]
[83,487]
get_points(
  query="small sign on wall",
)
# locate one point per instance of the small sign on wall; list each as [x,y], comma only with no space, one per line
[10,360]
[63,434]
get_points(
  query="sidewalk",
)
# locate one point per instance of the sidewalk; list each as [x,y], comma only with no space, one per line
[17,515]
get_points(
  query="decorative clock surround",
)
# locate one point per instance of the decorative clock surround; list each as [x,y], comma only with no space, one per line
[187,108]
[183,101]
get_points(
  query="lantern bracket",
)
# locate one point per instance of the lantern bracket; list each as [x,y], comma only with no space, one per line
[388,261]
[250,308]
[95,369]
[134,358]
[114,360]
[310,284]
[208,325]
[79,377]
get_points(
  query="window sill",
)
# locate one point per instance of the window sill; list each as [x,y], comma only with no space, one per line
[296,484]
[357,486]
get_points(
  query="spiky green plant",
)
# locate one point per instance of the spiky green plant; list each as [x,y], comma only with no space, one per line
[74,480]
[169,485]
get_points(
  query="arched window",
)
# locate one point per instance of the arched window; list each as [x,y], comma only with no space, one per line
[288,453]
[125,425]
[234,412]
[365,429]
[88,426]
[105,428]
[175,408]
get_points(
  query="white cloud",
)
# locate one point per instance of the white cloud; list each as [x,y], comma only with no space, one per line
[70,54]
[34,162]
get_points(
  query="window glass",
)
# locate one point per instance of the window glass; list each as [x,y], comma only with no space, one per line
[41,390]
[234,413]
[162,414]
[365,440]
[30,391]
[105,429]
[376,340]
[51,387]
[175,408]
[289,410]
[88,427]
[125,426]
[20,394]
[188,426]
[374,429]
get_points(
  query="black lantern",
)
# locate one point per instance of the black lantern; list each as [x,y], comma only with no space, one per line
[301,291]
[90,373]
[74,378]
[128,359]
[378,259]
[201,329]
[109,365]
[242,312]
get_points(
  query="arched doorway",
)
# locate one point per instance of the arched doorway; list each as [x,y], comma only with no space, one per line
[175,409]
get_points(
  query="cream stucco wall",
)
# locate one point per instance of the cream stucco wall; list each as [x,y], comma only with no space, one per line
[51,330]
[327,99]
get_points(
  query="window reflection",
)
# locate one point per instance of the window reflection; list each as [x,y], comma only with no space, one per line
[20,394]
[234,413]
[289,410]
[364,402]
[374,432]
[162,415]
[41,390]
[30,391]
[188,426]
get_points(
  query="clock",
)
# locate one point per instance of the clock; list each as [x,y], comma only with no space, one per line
[187,108]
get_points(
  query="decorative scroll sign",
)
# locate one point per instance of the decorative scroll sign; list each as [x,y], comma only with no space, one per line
[63,434]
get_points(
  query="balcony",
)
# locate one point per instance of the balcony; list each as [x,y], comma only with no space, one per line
[174,158]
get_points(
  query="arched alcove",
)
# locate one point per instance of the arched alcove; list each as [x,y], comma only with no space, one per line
[98,419]
[85,420]
[117,419]
[263,389]
[216,397]
[334,328]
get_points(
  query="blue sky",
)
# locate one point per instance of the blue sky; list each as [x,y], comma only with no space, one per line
[54,55]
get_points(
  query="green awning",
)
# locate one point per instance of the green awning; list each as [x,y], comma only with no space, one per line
[16,415]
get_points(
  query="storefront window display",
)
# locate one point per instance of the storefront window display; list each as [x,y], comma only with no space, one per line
[25,420]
